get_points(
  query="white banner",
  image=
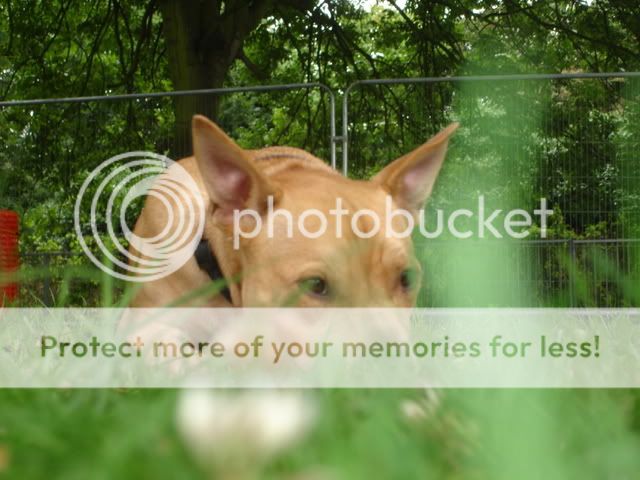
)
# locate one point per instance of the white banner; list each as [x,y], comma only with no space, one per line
[319,348]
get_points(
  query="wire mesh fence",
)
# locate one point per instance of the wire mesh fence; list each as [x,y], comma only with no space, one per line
[570,139]
[49,147]
[534,273]
[52,278]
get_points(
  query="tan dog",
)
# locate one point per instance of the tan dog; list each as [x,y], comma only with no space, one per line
[282,268]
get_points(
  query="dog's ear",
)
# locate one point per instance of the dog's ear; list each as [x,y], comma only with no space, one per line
[410,178]
[230,177]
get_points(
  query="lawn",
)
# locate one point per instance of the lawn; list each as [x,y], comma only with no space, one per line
[442,434]
[357,434]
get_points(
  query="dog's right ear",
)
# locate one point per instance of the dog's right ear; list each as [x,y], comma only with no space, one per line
[410,178]
[231,179]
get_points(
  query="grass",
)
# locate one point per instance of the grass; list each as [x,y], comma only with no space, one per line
[359,434]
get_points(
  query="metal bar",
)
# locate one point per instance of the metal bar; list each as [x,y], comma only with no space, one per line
[572,288]
[207,91]
[47,294]
[332,119]
[484,242]
[470,78]
[51,254]
[345,129]
[598,241]
[493,241]
[475,78]
[179,93]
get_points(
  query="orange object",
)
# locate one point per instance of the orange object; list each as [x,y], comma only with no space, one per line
[9,257]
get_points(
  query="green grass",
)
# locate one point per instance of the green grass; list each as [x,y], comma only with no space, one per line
[358,434]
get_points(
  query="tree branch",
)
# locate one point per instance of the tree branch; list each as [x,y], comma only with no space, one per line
[255,70]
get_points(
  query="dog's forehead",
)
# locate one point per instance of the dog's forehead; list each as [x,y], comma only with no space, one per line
[325,192]
[309,181]
[364,207]
[306,189]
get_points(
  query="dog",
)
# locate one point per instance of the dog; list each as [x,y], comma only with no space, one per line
[279,267]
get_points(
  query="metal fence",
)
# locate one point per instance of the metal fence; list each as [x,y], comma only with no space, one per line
[48,147]
[570,138]
[534,273]
[49,143]
[573,139]
[531,273]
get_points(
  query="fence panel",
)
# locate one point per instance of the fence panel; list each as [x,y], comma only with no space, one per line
[556,273]
[572,139]
[48,147]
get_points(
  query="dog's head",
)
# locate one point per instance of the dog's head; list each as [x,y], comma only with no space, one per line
[329,241]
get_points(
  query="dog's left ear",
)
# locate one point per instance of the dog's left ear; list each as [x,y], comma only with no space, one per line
[410,178]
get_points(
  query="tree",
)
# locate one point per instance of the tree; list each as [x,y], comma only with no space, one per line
[71,48]
[203,39]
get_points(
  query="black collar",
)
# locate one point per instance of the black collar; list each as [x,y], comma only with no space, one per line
[208,262]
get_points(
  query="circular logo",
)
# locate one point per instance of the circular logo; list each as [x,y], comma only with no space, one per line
[123,179]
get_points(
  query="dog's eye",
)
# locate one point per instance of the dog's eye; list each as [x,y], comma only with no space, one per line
[315,285]
[408,279]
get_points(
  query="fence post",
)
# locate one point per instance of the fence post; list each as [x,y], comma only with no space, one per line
[572,259]
[47,297]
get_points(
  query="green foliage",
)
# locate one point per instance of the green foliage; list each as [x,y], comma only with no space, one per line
[575,142]
[360,434]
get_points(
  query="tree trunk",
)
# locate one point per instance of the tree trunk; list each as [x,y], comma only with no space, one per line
[199,57]
[203,39]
